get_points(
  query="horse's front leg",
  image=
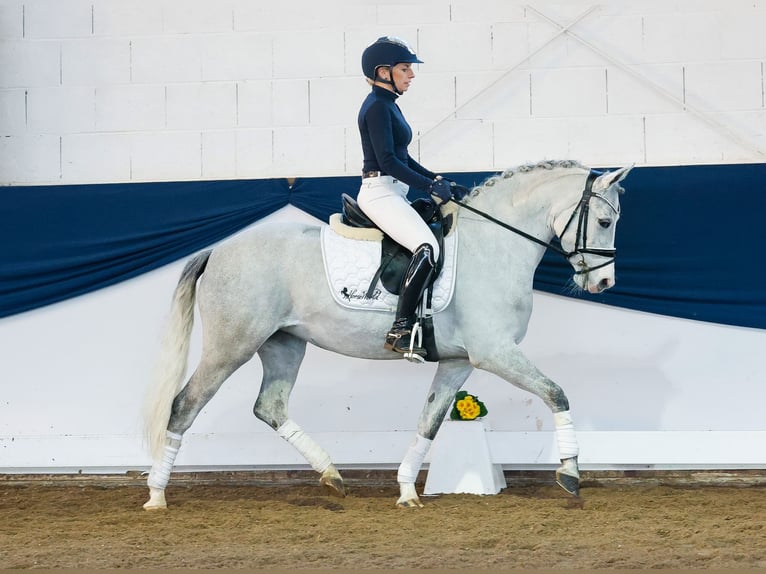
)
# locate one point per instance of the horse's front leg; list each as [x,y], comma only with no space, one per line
[450,376]
[512,365]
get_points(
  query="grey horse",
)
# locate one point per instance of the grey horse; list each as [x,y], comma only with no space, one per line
[266,292]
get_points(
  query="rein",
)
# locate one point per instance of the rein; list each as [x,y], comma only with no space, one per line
[582,227]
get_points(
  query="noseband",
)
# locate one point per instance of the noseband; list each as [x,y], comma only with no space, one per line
[581,239]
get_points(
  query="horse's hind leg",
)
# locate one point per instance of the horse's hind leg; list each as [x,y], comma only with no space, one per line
[450,376]
[212,371]
[281,357]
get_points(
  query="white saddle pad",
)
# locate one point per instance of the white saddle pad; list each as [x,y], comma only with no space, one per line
[350,265]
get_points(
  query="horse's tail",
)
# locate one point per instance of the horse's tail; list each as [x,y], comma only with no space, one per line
[170,368]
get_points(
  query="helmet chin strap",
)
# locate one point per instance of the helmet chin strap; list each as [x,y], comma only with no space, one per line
[390,80]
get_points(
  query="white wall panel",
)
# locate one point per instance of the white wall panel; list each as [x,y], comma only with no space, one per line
[172,155]
[457,48]
[435,100]
[236,57]
[284,16]
[61,110]
[130,107]
[336,101]
[56,19]
[619,141]
[493,95]
[135,18]
[219,154]
[742,35]
[472,11]
[424,12]
[510,44]
[309,54]
[25,64]
[297,65]
[289,102]
[206,105]
[195,16]
[664,41]
[440,152]
[95,62]
[669,138]
[569,92]
[254,104]
[660,91]
[95,158]
[526,140]
[12,19]
[303,151]
[30,158]
[255,152]
[727,86]
[164,59]
[12,111]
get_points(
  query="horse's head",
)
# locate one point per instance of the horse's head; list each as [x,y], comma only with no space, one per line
[587,233]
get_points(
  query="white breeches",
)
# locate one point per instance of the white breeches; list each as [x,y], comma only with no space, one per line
[384,200]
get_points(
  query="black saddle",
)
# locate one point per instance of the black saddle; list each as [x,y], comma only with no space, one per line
[394,257]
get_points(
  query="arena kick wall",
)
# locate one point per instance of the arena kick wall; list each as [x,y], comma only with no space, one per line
[102,91]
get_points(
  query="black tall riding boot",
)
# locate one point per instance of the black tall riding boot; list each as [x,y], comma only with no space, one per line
[415,280]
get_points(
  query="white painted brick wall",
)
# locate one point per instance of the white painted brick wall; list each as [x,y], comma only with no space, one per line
[205,106]
[57,19]
[12,112]
[12,19]
[29,64]
[130,108]
[95,62]
[219,154]
[96,158]
[135,18]
[189,89]
[61,110]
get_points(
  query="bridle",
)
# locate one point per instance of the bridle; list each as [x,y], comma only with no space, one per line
[582,210]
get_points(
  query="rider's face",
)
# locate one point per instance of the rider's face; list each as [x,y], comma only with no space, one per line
[401,74]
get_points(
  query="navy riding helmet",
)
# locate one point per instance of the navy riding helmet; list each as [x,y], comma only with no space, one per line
[386,51]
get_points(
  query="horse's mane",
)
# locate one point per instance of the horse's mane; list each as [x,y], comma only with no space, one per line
[526,168]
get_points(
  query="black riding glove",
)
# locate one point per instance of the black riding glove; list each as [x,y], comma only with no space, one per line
[459,191]
[440,190]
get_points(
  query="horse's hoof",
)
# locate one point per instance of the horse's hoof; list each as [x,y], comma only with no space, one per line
[569,483]
[333,482]
[156,500]
[409,503]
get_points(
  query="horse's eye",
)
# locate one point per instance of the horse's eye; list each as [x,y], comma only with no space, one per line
[605,222]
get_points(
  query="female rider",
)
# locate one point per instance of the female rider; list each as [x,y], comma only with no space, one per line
[389,172]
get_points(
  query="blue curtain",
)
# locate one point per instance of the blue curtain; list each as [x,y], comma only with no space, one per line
[688,241]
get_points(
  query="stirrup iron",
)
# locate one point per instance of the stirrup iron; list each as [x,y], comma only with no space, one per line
[415,334]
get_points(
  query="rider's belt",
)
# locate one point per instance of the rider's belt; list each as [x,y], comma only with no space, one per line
[369,174]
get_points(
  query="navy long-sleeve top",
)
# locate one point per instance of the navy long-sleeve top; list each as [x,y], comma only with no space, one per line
[385,137]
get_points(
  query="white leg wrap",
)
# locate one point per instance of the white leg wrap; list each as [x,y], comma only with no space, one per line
[413,460]
[565,435]
[160,473]
[304,444]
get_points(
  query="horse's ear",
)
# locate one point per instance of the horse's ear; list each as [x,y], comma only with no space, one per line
[615,176]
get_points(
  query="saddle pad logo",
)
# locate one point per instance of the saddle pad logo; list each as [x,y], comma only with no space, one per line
[350,265]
